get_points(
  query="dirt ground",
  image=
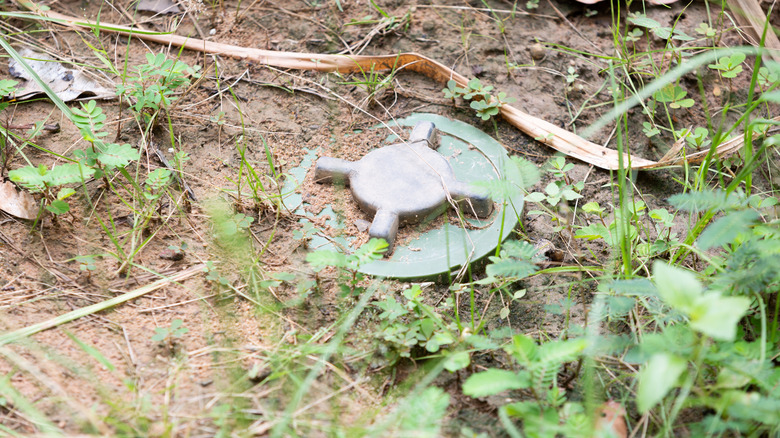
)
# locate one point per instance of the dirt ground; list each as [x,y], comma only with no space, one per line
[289,111]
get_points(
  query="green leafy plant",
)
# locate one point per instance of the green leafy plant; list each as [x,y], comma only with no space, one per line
[729,66]
[564,189]
[44,180]
[169,335]
[489,108]
[7,86]
[155,83]
[571,75]
[663,33]
[213,275]
[548,412]
[485,104]
[634,35]
[349,265]
[705,30]
[673,95]
[99,161]
[769,77]
[86,263]
[236,224]
[649,130]
[405,327]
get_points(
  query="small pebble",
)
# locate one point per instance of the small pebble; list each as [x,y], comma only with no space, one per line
[362,225]
[537,51]
[213,32]
[171,150]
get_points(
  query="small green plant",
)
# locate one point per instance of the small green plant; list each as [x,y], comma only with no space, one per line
[571,75]
[705,30]
[218,118]
[45,181]
[155,83]
[485,104]
[699,138]
[213,275]
[487,109]
[86,263]
[349,265]
[7,87]
[768,78]
[673,95]
[729,66]
[100,160]
[236,224]
[661,32]
[564,189]
[388,22]
[373,82]
[532,4]
[405,327]
[548,413]
[169,335]
[650,130]
[634,35]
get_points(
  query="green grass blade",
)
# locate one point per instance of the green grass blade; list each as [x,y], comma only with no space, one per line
[44,86]
[23,405]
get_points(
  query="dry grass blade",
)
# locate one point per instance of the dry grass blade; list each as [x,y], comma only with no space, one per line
[79,313]
[557,138]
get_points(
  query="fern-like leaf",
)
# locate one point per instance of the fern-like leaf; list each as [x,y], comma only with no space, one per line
[370,251]
[31,178]
[727,229]
[116,155]
[715,200]
[529,172]
[68,174]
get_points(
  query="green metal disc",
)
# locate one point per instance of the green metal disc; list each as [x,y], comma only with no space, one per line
[474,156]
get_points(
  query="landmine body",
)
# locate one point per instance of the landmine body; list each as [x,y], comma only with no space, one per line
[403,183]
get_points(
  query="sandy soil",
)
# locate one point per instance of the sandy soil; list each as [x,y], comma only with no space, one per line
[289,111]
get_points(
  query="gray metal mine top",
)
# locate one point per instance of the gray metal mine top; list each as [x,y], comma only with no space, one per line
[403,183]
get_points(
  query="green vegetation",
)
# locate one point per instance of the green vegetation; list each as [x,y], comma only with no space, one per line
[663,304]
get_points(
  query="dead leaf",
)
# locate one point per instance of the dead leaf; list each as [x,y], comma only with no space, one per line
[158,6]
[17,203]
[68,84]
[611,421]
[752,19]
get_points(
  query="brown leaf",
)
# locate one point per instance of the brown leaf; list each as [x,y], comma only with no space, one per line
[17,203]
[611,421]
